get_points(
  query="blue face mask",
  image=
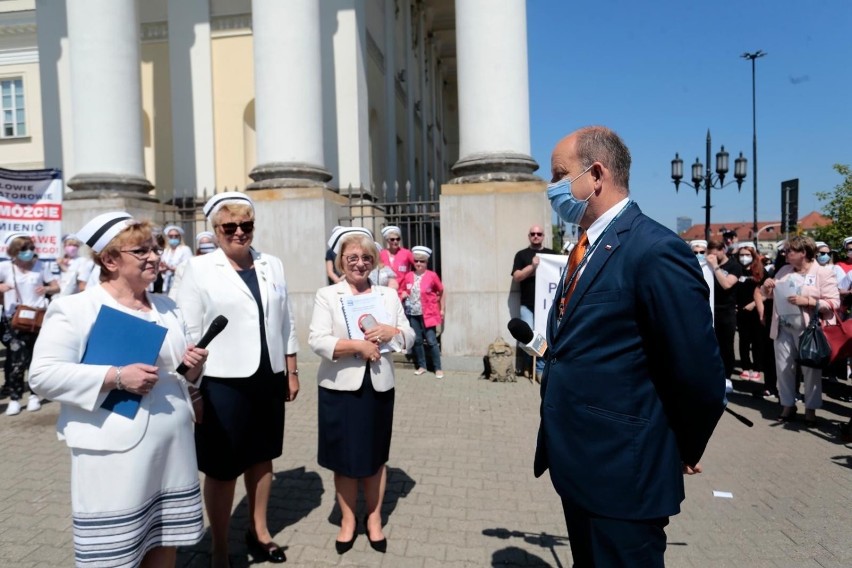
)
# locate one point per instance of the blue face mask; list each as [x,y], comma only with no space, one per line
[823,258]
[174,242]
[569,208]
[701,258]
[26,255]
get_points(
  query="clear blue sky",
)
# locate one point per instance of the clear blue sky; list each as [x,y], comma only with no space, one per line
[660,73]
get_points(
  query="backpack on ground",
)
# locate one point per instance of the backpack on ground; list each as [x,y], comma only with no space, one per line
[499,362]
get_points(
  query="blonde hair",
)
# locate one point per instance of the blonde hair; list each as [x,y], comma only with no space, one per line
[357,239]
[236,209]
[134,234]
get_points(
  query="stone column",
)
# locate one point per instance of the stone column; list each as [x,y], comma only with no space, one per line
[106,100]
[493,92]
[191,75]
[288,95]
[390,98]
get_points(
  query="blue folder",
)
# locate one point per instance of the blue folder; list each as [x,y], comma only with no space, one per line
[119,339]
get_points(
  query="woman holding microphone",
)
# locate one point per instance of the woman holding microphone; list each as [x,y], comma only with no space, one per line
[250,374]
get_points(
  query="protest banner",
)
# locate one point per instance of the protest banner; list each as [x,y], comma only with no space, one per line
[31,203]
[547,276]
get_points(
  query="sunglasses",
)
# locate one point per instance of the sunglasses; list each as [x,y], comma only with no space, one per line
[700,252]
[247,227]
[536,234]
[419,261]
[141,253]
[393,239]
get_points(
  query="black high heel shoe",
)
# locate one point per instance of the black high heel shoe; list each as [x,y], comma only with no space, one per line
[789,417]
[344,546]
[377,545]
[269,552]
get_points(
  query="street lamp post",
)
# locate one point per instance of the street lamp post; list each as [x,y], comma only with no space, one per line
[710,182]
[753,56]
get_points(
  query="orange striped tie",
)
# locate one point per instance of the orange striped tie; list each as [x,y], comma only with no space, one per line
[577,254]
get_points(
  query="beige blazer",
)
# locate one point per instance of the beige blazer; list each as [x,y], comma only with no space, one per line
[210,287]
[328,327]
[824,289]
[57,374]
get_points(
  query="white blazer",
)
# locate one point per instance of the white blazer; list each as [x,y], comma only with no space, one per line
[57,374]
[328,327]
[210,287]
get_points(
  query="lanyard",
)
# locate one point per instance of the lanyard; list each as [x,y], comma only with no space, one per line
[583,261]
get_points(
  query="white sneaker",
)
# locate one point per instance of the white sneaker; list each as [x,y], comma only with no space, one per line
[13,408]
[33,403]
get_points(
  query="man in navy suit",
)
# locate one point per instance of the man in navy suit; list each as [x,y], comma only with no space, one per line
[634,384]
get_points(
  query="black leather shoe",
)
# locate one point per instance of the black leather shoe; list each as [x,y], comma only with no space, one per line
[377,545]
[344,546]
[269,552]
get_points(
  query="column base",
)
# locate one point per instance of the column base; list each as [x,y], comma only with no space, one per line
[501,166]
[279,175]
[108,185]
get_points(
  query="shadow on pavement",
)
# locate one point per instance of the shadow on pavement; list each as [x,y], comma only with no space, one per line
[514,556]
[295,493]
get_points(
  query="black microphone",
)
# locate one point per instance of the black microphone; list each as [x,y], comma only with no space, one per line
[533,343]
[215,329]
[739,417]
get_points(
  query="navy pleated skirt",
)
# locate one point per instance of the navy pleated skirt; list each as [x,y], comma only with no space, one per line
[355,429]
[243,423]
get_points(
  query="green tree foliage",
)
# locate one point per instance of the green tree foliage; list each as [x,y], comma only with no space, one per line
[838,208]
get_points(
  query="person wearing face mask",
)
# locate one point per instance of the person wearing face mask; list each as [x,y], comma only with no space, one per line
[633,385]
[27,281]
[827,257]
[174,254]
[205,243]
[699,247]
[74,268]
[726,272]
[750,312]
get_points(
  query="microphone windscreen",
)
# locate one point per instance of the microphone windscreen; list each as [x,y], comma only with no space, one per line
[520,330]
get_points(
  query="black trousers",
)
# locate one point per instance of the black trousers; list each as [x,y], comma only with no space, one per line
[725,323]
[600,542]
[751,340]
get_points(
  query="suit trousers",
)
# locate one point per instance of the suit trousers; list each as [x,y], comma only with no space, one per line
[600,542]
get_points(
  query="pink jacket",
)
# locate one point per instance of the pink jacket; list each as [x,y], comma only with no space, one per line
[824,289]
[431,289]
[403,262]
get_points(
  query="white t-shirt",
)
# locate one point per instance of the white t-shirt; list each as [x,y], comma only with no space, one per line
[27,282]
[78,270]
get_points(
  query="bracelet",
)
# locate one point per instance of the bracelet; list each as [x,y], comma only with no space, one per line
[118,384]
[294,372]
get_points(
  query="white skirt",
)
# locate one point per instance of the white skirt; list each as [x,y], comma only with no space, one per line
[126,503]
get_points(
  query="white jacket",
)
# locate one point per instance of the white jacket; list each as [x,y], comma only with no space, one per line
[210,287]
[57,374]
[328,326]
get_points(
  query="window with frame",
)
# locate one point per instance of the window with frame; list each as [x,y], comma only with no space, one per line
[12,114]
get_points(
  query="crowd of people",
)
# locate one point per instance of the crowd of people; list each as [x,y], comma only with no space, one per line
[143,414]
[767,303]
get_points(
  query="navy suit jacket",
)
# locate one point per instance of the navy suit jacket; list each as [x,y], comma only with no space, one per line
[634,384]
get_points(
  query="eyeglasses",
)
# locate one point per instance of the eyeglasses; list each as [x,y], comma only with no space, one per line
[700,252]
[354,258]
[247,227]
[142,253]
[416,261]
[174,236]
[28,247]
[392,239]
[536,234]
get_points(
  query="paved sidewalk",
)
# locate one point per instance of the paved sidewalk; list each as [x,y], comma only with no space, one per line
[461,491]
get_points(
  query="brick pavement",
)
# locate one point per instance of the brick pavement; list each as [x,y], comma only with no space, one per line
[461,491]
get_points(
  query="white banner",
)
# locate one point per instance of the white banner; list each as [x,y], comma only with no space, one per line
[31,203]
[546,280]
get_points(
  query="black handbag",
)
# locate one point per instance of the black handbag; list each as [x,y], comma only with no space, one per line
[814,349]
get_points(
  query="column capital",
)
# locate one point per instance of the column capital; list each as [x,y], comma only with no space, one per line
[495,166]
[274,175]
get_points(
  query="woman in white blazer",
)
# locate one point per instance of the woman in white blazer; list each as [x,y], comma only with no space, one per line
[134,485]
[249,375]
[356,381]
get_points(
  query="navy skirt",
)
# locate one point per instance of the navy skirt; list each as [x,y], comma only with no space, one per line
[243,423]
[355,429]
